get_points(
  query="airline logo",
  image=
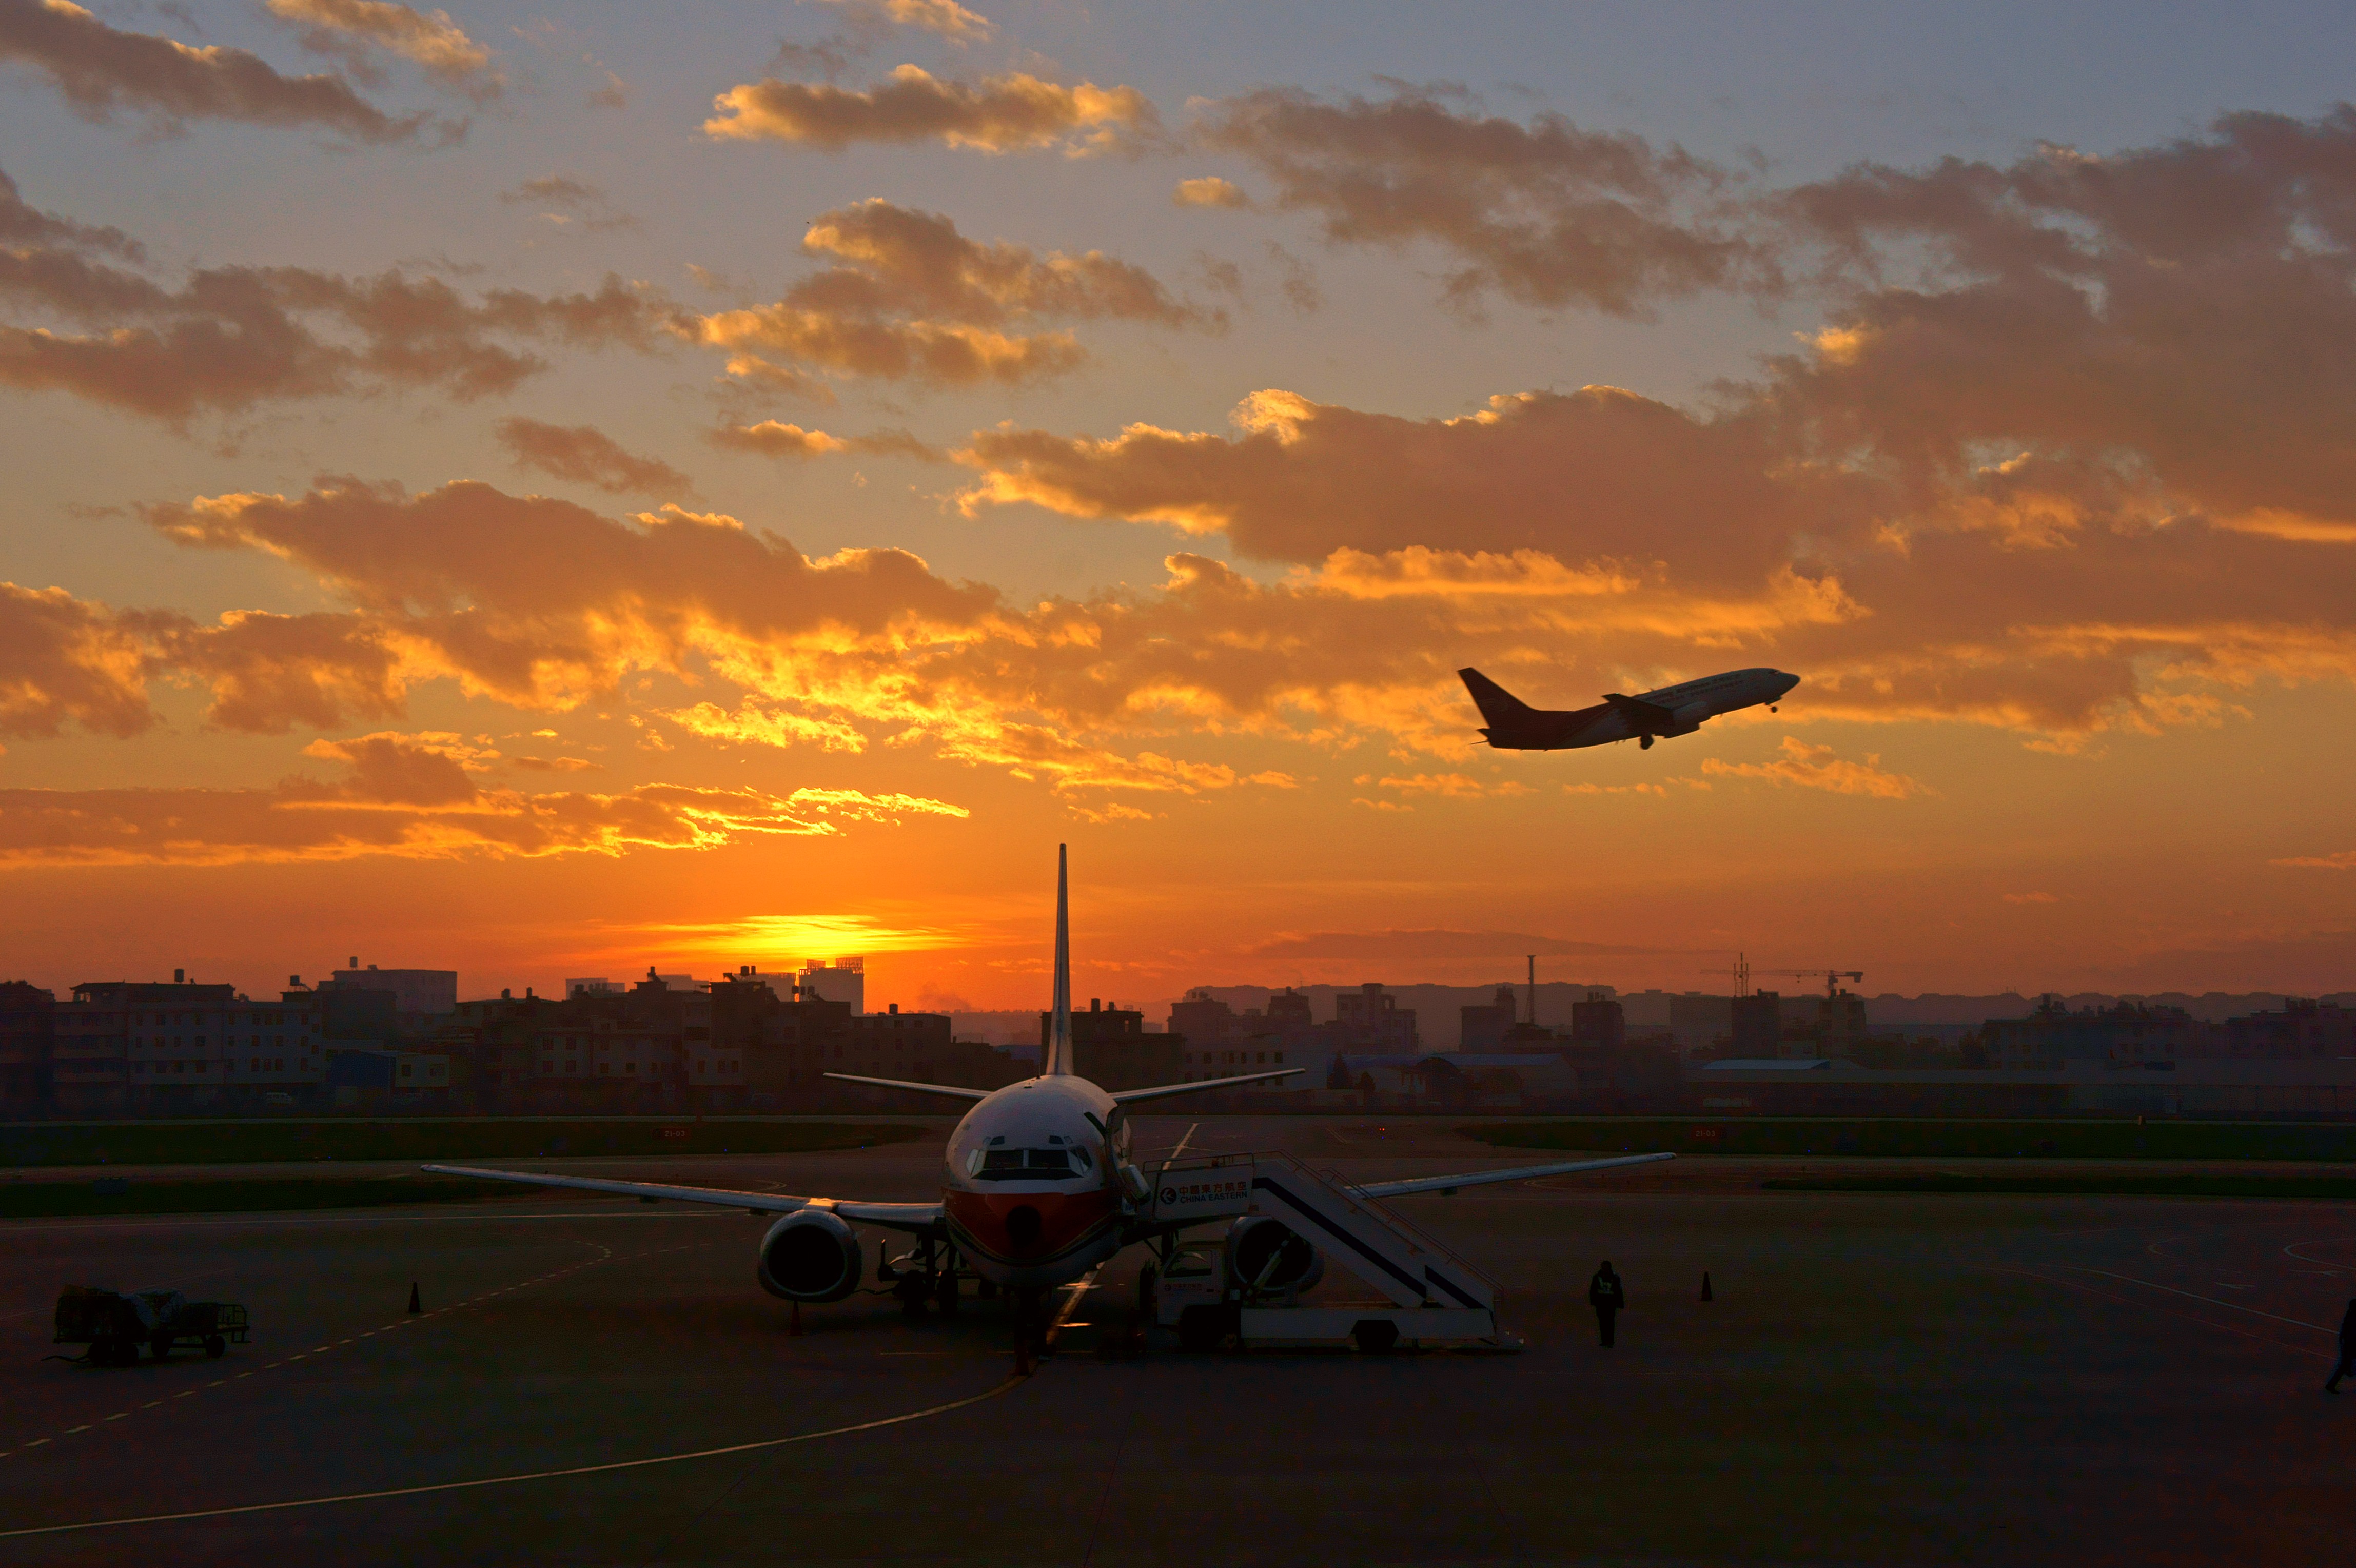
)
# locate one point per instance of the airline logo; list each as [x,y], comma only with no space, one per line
[1205,1192]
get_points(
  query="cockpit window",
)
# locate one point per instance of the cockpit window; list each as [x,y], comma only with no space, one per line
[1029,1164]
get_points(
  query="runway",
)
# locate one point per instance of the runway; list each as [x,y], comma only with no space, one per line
[1881,1378]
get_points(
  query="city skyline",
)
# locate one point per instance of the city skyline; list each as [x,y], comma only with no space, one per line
[547,497]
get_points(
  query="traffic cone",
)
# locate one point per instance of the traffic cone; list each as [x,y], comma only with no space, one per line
[415,1303]
[1705,1286]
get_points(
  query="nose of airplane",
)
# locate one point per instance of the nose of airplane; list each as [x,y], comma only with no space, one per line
[1022,1224]
[1789,681]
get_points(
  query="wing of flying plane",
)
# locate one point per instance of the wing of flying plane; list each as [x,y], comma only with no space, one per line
[1641,715]
[890,1216]
[1483,1178]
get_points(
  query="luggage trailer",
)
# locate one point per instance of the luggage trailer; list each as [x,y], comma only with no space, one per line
[117,1325]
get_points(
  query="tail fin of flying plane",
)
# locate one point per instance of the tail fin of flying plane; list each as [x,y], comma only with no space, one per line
[1059,1037]
[1501,708]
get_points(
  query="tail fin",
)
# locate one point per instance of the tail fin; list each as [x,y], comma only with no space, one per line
[1059,1035]
[1500,707]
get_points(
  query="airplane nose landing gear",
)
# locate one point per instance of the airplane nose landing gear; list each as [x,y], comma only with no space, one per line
[1030,1330]
[1645,742]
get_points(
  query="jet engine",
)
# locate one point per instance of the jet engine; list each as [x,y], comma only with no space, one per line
[1259,1246]
[1689,718]
[810,1256]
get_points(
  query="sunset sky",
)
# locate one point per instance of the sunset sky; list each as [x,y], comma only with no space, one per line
[547,490]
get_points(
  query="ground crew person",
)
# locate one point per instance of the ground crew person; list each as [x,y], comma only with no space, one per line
[2346,1365]
[1607,1295]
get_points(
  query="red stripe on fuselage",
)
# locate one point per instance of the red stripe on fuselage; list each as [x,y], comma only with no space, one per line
[977,1222]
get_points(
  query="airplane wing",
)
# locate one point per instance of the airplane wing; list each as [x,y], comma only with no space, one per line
[1640,712]
[1483,1178]
[890,1216]
[1165,1090]
[942,1091]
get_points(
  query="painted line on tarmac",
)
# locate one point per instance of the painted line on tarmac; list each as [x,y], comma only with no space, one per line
[609,1256]
[2143,1305]
[2195,1296]
[604,1469]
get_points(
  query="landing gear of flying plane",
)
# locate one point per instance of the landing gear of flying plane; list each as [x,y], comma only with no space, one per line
[1645,743]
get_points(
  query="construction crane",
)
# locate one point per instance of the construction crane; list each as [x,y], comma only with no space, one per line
[1741,972]
[1831,977]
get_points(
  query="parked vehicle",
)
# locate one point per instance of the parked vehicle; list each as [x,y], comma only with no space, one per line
[115,1324]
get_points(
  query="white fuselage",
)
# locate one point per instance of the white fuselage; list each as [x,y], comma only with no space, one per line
[1032,1196]
[1693,702]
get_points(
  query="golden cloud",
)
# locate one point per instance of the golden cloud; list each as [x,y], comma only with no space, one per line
[1815,768]
[908,297]
[944,19]
[1014,113]
[1208,190]
[410,796]
[66,661]
[772,439]
[348,29]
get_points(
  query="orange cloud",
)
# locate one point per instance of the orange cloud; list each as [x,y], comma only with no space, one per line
[64,662]
[21,222]
[1545,213]
[585,456]
[102,70]
[773,439]
[1815,768]
[1015,112]
[410,796]
[539,602]
[2343,861]
[1208,190]
[1600,473]
[1454,786]
[944,19]
[348,28]
[236,336]
[910,297]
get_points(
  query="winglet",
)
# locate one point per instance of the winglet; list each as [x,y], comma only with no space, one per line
[1059,1037]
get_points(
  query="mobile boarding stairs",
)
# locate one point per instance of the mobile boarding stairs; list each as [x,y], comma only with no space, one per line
[1432,1298]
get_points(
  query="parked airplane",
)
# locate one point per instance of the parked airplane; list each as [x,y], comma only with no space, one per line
[1515,726]
[1039,1190]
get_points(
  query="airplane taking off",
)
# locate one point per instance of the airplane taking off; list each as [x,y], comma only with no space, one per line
[1515,726]
[1039,1188]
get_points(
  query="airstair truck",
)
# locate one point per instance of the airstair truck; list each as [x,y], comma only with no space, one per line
[1283,1220]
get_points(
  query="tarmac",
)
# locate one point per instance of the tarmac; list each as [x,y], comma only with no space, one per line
[1880,1379]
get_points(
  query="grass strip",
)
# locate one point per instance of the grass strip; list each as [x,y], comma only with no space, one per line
[2338,1189]
[1905,1138]
[31,1144]
[50,1200]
